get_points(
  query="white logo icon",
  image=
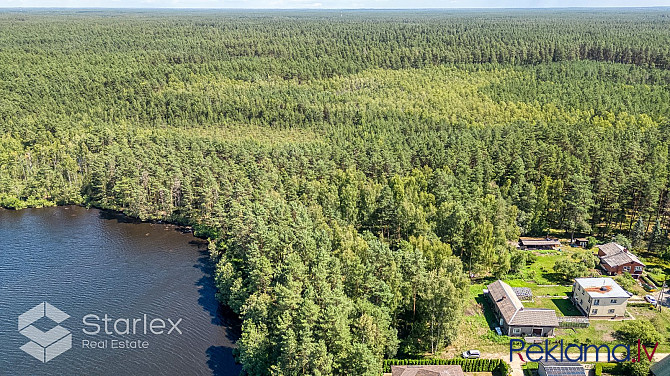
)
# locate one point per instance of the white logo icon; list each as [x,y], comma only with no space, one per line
[45,346]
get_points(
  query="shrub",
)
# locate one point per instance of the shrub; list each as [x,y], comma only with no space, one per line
[591,242]
[631,331]
[648,281]
[468,365]
[625,281]
[640,368]
[504,368]
[653,280]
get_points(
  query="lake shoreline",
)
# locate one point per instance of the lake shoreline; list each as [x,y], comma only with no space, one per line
[97,261]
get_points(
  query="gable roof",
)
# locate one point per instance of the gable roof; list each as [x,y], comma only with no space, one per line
[513,311]
[622,258]
[616,255]
[505,299]
[601,288]
[539,241]
[451,370]
[611,248]
[563,368]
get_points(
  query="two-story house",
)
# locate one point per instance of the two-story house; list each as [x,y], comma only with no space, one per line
[599,297]
[615,259]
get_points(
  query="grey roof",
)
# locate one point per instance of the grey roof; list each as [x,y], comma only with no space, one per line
[611,248]
[505,299]
[616,255]
[451,370]
[563,368]
[539,241]
[513,311]
[621,259]
[602,288]
[662,367]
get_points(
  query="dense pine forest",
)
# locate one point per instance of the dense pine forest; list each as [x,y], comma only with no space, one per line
[351,169]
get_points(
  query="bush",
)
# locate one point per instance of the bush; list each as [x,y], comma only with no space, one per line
[622,240]
[205,232]
[653,280]
[626,281]
[613,368]
[468,365]
[631,331]
[591,242]
[504,368]
[598,369]
[570,269]
[531,365]
[648,281]
[640,368]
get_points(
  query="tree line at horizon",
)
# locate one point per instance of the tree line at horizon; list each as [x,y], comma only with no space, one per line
[351,171]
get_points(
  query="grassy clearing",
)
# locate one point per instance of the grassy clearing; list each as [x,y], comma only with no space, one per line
[563,307]
[660,320]
[550,290]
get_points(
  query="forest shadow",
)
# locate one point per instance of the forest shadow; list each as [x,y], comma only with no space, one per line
[120,217]
[117,216]
[221,361]
[220,314]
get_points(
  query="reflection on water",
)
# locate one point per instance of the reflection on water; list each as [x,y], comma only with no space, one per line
[87,261]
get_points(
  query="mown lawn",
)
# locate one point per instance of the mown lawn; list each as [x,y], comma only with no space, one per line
[563,307]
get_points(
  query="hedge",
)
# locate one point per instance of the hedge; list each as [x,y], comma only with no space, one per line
[530,366]
[598,369]
[614,368]
[653,279]
[468,365]
[573,324]
[648,281]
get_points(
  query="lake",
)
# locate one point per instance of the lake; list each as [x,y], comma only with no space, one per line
[131,298]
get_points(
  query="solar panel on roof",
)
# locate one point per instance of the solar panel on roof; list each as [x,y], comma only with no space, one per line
[564,371]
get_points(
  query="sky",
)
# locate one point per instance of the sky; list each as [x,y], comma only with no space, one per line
[331,4]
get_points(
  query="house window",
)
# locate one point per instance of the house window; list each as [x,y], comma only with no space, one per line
[626,268]
[638,268]
[594,311]
[613,301]
[516,330]
[596,302]
[610,311]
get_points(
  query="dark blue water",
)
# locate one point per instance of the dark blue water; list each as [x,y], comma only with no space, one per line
[90,262]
